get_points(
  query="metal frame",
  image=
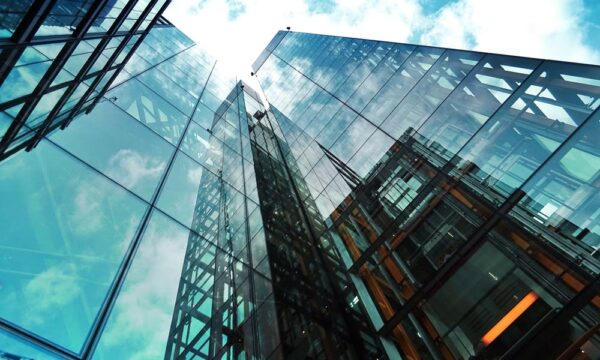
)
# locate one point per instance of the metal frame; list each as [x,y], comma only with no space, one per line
[475,240]
[24,37]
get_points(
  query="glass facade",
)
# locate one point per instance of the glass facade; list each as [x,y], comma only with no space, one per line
[59,57]
[386,201]
[459,190]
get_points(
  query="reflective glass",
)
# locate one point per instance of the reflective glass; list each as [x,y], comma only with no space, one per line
[527,129]
[470,105]
[562,199]
[485,291]
[134,156]
[182,194]
[5,121]
[169,90]
[12,11]
[150,109]
[64,17]
[30,55]
[203,147]
[65,230]
[407,74]
[189,76]
[14,348]
[43,107]
[204,116]
[372,152]
[342,119]
[352,139]
[139,324]
[22,80]
[429,92]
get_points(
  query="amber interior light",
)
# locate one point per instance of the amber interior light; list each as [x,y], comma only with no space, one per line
[509,318]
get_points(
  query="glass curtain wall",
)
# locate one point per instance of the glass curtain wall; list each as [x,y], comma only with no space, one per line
[134,232]
[58,57]
[458,187]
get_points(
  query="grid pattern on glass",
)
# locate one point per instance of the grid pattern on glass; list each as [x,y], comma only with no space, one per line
[85,44]
[140,164]
[465,140]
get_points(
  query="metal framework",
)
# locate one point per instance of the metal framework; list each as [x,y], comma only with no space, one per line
[20,135]
[61,115]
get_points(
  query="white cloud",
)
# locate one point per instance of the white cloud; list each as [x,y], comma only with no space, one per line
[51,289]
[547,29]
[128,167]
[194,175]
[86,215]
[534,28]
[141,320]
[237,42]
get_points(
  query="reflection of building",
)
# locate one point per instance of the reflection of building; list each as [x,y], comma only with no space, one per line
[314,318]
[390,201]
[223,302]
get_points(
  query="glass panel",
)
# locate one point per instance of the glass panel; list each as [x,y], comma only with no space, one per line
[189,76]
[526,130]
[401,82]
[11,13]
[30,55]
[169,90]
[562,200]
[64,17]
[371,153]
[352,139]
[204,116]
[479,295]
[210,100]
[22,80]
[380,75]
[336,126]
[43,107]
[187,188]
[472,103]
[65,229]
[133,156]
[203,147]
[5,121]
[150,109]
[430,91]
[14,348]
[139,324]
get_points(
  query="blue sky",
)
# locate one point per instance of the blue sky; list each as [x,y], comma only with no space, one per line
[235,31]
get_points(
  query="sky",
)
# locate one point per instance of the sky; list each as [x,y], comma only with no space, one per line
[236,31]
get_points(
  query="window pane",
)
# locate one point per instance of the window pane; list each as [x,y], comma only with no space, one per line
[562,200]
[22,80]
[150,109]
[470,105]
[401,82]
[203,147]
[14,348]
[138,327]
[189,189]
[169,90]
[527,130]
[65,230]
[430,91]
[134,156]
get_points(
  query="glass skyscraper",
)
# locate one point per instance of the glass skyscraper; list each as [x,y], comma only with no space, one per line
[372,200]
[459,190]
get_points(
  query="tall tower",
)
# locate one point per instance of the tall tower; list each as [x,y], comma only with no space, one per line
[370,200]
